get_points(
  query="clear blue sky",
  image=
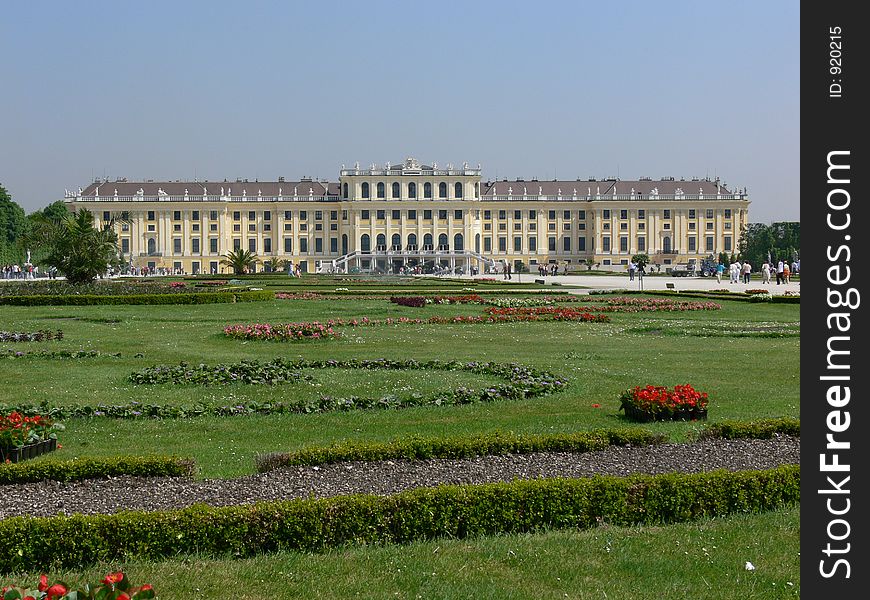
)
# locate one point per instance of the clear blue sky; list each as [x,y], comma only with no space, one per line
[214,90]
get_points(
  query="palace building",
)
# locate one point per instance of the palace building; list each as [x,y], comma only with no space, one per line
[410,214]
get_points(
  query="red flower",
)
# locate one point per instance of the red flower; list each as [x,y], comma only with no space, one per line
[56,591]
[113,578]
[596,406]
[43,582]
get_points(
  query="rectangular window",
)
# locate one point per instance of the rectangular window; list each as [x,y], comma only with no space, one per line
[667,213]
[623,226]
[252,245]
[502,226]
[641,244]
[195,267]
[237,226]
[267,215]
[318,227]
[581,226]
[194,245]
[318,215]
[442,214]
[237,244]
[125,245]
[518,215]
[709,243]
[288,226]
[176,215]
[533,244]
[333,215]
[487,244]
[487,214]
[623,243]
[195,227]
[502,244]
[605,244]
[364,215]
[566,226]
[623,214]
[666,226]
[710,226]
[518,244]
[212,227]
[502,214]
[150,215]
[457,215]
[303,245]
[605,214]
[412,215]
[606,226]
[333,245]
[381,215]
[303,215]
[252,215]
[691,226]
[333,226]
[213,245]
[395,214]
[709,213]
[566,214]
[641,226]
[727,213]
[237,216]
[176,245]
[728,225]
[344,215]
[288,215]
[581,244]
[267,227]
[267,245]
[213,215]
[176,227]
[727,244]
[318,245]
[252,227]
[533,226]
[581,215]
[303,226]
[566,244]
[195,215]
[427,215]
[692,245]
[487,226]
[691,213]
[641,214]
[551,214]
[551,244]
[288,245]
[533,215]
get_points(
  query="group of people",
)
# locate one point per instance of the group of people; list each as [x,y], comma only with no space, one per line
[15,271]
[552,269]
[635,269]
[743,271]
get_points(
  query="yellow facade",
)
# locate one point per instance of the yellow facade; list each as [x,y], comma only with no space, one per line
[410,214]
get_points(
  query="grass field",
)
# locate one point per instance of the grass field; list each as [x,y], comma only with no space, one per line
[746,356]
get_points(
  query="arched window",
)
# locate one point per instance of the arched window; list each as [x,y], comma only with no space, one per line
[457,243]
[381,192]
[412,241]
[365,243]
[442,190]
[412,190]
[365,190]
[152,246]
[396,242]
[344,244]
[427,190]
[396,190]
[382,242]
[427,241]
[344,190]
[442,242]
[666,244]
[477,243]
[457,190]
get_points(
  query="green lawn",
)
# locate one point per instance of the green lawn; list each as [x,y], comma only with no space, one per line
[746,356]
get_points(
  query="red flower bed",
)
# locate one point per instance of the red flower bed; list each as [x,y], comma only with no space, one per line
[625,304]
[658,403]
[412,301]
[282,331]
[114,586]
[547,313]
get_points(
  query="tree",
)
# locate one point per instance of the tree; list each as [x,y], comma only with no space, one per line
[240,261]
[13,225]
[79,250]
[641,260]
[275,265]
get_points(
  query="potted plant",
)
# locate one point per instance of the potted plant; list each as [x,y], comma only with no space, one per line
[658,403]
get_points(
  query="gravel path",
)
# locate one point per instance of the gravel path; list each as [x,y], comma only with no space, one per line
[387,477]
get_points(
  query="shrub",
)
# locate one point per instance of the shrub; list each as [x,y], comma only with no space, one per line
[96,468]
[760,429]
[175,298]
[28,543]
[411,301]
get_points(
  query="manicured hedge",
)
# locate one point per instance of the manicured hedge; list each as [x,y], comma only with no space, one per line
[96,468]
[760,429]
[74,542]
[418,448]
[699,294]
[179,298]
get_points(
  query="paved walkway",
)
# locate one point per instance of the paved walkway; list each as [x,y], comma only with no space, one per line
[650,282]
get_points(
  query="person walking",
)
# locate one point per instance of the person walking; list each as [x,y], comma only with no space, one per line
[765,273]
[720,269]
[780,267]
[508,270]
[632,266]
[786,273]
[747,270]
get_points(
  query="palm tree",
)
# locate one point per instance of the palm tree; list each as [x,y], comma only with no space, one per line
[274,265]
[74,245]
[240,261]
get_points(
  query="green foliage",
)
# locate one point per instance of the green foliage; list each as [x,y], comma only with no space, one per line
[13,225]
[96,468]
[641,259]
[240,261]
[497,443]
[427,513]
[759,429]
[176,298]
[779,240]
[72,243]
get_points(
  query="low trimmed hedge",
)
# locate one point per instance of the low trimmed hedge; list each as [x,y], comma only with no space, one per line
[74,542]
[96,468]
[760,429]
[179,298]
[420,448]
